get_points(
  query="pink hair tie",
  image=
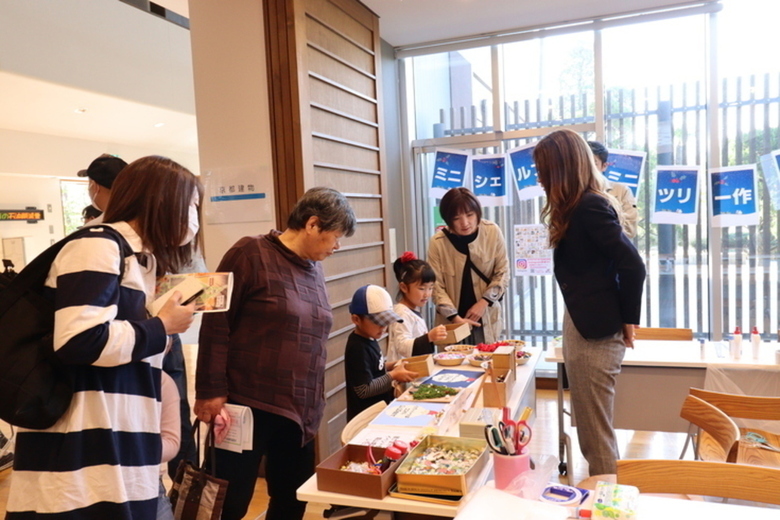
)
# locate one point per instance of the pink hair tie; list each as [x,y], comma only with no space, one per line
[408,257]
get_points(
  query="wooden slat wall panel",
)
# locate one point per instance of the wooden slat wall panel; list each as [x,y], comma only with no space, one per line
[328,151]
[343,288]
[366,207]
[353,182]
[335,125]
[328,40]
[341,73]
[341,22]
[323,59]
[352,259]
[328,94]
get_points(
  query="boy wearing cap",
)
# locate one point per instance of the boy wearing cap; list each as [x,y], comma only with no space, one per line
[368,381]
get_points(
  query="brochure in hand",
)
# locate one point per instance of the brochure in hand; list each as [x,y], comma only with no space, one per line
[211,290]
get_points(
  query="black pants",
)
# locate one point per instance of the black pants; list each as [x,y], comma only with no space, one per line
[288,466]
[173,365]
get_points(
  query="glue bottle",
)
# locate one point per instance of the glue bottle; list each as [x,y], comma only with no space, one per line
[755,341]
[736,344]
[392,454]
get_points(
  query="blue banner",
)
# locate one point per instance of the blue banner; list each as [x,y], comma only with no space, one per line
[524,168]
[449,171]
[676,195]
[625,167]
[490,179]
[733,192]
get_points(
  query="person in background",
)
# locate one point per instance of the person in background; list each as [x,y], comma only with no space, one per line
[102,458]
[101,173]
[268,351]
[90,213]
[368,381]
[472,268]
[411,336]
[601,276]
[620,191]
[170,434]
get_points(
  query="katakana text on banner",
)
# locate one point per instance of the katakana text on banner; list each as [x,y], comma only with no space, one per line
[449,171]
[489,173]
[626,167]
[733,193]
[676,195]
[524,170]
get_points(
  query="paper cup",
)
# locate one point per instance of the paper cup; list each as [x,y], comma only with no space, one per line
[506,468]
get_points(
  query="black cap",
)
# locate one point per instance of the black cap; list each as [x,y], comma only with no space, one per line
[104,170]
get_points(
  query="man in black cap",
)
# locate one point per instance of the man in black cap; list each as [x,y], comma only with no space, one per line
[102,172]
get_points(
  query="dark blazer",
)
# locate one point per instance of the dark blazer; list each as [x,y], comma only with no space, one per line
[599,271]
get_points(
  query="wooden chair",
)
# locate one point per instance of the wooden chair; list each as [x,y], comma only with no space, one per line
[360,421]
[664,334]
[748,407]
[695,477]
[718,433]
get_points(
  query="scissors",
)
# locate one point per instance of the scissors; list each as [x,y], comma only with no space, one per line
[760,440]
[495,439]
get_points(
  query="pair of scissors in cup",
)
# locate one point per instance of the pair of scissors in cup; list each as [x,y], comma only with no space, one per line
[515,434]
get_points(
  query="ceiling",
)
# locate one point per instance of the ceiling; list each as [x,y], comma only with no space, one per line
[35,106]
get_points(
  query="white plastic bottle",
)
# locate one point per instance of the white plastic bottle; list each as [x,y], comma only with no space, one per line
[736,344]
[755,341]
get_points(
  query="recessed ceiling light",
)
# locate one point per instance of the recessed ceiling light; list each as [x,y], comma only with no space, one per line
[80,110]
[158,125]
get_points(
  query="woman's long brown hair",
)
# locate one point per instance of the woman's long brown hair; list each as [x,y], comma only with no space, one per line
[156,192]
[564,164]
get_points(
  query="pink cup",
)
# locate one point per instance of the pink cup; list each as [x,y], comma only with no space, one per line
[506,468]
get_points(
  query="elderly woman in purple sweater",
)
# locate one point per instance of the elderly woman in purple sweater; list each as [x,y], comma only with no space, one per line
[268,351]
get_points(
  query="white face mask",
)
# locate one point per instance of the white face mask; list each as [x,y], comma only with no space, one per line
[193,225]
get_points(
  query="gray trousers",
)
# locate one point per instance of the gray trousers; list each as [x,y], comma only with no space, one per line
[592,366]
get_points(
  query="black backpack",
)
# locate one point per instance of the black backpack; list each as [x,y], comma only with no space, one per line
[35,386]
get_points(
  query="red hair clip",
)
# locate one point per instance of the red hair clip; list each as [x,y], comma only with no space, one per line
[408,257]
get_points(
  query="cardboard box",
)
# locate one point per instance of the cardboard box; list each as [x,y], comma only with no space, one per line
[472,424]
[423,365]
[330,476]
[450,485]
[455,333]
[496,395]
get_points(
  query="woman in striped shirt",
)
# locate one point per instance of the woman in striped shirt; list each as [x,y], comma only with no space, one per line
[102,458]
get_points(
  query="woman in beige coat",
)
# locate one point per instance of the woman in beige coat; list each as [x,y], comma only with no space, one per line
[472,268]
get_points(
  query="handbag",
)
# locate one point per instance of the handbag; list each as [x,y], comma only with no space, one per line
[196,493]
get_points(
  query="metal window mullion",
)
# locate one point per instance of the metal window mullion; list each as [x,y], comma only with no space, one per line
[713,130]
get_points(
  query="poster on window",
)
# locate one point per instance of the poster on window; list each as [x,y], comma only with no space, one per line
[489,172]
[236,195]
[533,255]
[626,167]
[770,165]
[676,195]
[733,192]
[449,171]
[524,171]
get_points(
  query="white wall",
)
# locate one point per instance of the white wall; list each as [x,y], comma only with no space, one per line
[231,100]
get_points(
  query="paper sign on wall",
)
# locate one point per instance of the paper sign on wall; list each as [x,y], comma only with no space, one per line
[490,184]
[449,171]
[533,255]
[626,167]
[733,196]
[236,195]
[524,170]
[676,198]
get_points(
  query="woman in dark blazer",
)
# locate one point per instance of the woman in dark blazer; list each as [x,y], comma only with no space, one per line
[601,276]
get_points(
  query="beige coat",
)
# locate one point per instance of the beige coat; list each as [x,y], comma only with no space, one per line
[488,254]
[625,197]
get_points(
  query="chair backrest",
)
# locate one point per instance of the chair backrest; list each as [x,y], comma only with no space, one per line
[663,334]
[719,431]
[696,477]
[742,406]
[360,421]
